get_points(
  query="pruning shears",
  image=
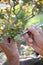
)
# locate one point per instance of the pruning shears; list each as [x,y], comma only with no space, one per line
[40,24]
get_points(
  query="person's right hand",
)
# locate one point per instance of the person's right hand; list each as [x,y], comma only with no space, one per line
[37,42]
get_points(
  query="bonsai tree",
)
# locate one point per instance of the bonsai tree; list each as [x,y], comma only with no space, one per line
[17,15]
[15,18]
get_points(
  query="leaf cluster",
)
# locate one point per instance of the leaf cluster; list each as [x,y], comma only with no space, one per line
[16,16]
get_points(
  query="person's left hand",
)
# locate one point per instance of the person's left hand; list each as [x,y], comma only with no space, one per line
[11,51]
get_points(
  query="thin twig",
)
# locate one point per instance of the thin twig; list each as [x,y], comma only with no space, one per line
[29,17]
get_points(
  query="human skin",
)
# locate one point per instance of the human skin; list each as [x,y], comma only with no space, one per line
[11,51]
[37,41]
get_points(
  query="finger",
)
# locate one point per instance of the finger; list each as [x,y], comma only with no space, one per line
[26,36]
[28,39]
[10,41]
[33,30]
[30,42]
[40,30]
[4,41]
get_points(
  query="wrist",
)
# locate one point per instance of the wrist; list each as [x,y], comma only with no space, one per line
[13,60]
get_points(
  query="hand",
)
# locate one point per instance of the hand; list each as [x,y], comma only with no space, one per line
[11,51]
[37,42]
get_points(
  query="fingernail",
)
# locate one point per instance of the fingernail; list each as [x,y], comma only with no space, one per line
[31,44]
[30,40]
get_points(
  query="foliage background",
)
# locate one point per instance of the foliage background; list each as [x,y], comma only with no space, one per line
[18,15]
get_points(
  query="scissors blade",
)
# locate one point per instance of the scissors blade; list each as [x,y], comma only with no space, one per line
[36,25]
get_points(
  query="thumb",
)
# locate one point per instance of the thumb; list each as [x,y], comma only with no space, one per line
[33,30]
